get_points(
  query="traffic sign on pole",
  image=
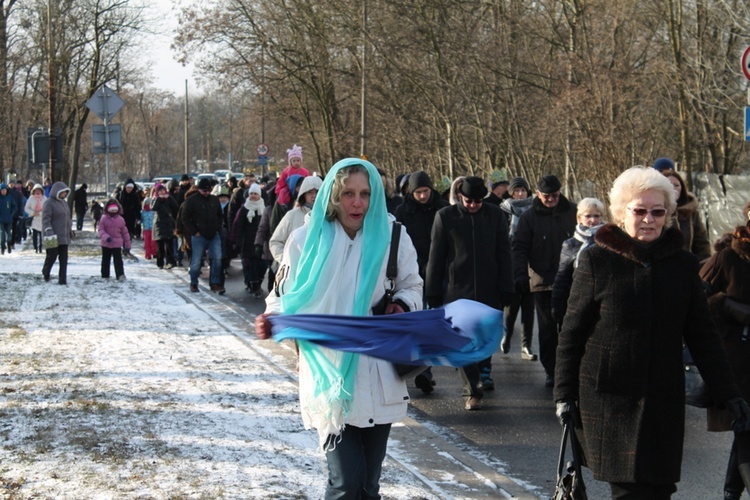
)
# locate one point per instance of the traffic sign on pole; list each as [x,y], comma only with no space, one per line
[262,150]
[746,62]
[105,103]
[747,123]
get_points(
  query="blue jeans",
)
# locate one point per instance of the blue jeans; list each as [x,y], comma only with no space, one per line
[199,245]
[355,463]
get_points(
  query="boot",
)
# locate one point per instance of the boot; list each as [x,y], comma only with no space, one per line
[733,485]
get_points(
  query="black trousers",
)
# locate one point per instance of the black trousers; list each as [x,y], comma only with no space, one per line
[164,252]
[109,254]
[61,252]
[547,331]
[641,491]
[525,303]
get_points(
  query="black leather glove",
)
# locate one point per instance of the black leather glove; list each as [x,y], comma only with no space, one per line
[741,412]
[567,413]
[558,314]
[523,286]
[259,251]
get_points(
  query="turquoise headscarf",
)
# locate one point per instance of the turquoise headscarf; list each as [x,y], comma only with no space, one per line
[320,233]
[336,383]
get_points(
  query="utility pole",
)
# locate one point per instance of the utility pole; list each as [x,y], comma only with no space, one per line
[187,171]
[363,86]
[51,93]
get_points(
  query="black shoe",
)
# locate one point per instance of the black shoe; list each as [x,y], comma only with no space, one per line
[487,384]
[424,383]
[549,381]
[46,277]
[505,344]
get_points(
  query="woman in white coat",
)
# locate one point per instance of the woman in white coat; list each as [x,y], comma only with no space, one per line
[34,206]
[335,264]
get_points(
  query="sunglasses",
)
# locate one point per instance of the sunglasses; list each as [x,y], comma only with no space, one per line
[656,213]
[475,201]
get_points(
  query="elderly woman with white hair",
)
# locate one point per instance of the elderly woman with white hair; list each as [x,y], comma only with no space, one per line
[636,296]
[590,217]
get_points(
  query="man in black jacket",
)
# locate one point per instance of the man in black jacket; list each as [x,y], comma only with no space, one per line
[81,205]
[537,242]
[201,218]
[470,259]
[417,214]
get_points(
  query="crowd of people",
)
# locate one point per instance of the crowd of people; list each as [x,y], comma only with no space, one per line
[578,269]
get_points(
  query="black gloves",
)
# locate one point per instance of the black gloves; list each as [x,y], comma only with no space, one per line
[567,413]
[741,412]
[109,240]
[259,251]
[522,286]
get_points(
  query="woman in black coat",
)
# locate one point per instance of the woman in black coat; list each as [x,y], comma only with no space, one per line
[165,212]
[636,296]
[727,274]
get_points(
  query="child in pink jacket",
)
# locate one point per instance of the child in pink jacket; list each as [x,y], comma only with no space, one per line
[294,157]
[114,236]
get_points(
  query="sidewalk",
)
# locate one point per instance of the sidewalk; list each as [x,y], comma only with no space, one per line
[139,389]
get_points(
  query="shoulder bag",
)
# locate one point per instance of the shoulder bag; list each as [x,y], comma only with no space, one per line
[570,484]
[391,272]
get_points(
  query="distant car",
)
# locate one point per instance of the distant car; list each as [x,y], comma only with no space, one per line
[222,174]
[211,177]
[163,180]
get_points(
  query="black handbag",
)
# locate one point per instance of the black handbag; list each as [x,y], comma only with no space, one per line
[696,391]
[391,272]
[570,484]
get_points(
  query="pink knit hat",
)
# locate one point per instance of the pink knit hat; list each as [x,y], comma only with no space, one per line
[295,152]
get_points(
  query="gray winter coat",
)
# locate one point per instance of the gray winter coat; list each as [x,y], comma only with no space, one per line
[56,215]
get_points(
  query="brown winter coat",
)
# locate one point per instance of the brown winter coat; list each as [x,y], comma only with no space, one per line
[620,353]
[693,229]
[728,276]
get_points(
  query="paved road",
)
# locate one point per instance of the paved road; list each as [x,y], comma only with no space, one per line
[516,430]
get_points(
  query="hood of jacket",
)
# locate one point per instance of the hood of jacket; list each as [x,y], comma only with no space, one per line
[614,239]
[113,201]
[58,188]
[741,242]
[687,209]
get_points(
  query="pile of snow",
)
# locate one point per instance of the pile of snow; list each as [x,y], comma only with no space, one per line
[127,390]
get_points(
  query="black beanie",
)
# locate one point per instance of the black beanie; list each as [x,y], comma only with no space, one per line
[474,188]
[418,180]
[518,182]
[548,184]
[185,177]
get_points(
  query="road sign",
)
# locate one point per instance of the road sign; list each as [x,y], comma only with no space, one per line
[746,63]
[747,123]
[106,138]
[37,144]
[262,150]
[105,103]
[262,160]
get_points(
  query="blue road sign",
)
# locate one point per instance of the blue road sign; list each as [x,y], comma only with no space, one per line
[747,123]
[262,160]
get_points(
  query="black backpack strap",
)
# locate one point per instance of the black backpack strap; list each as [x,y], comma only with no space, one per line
[391,271]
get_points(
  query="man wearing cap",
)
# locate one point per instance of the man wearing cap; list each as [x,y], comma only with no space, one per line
[130,200]
[201,218]
[537,242]
[470,259]
[417,214]
[498,192]
[185,184]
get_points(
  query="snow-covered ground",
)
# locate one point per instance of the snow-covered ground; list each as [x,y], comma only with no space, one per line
[130,390]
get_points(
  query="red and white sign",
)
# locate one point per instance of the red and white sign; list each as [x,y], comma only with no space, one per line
[746,63]
[262,149]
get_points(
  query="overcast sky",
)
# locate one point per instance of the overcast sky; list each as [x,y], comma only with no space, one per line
[169,74]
